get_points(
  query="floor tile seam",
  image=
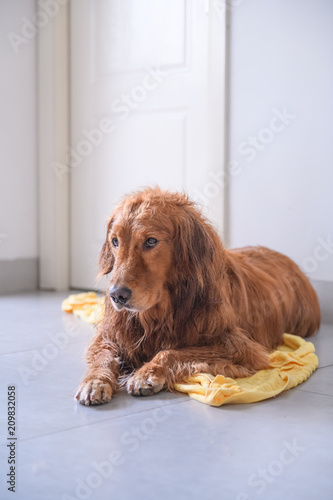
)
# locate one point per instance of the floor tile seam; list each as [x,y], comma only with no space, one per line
[325,366]
[99,422]
[38,347]
[301,389]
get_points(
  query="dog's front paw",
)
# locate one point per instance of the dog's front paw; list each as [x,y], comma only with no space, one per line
[94,392]
[145,383]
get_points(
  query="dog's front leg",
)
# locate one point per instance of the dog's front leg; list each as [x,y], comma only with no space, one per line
[237,356]
[101,379]
[152,377]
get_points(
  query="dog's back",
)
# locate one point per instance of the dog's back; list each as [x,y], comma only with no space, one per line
[272,295]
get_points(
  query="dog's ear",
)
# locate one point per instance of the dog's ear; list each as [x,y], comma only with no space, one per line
[106,258]
[193,247]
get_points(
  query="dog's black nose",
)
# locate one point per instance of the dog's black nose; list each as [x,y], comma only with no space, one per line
[120,295]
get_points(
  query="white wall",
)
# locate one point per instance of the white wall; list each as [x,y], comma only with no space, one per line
[281,196]
[18,136]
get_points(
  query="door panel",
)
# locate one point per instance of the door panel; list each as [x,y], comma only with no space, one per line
[142,87]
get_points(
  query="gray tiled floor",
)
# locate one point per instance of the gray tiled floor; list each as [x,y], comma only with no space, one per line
[163,447]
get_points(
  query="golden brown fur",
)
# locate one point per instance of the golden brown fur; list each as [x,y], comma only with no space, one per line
[186,304]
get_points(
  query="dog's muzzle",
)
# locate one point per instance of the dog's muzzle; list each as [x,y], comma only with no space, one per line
[120,295]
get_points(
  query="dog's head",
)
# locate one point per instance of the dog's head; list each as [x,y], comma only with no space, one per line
[155,239]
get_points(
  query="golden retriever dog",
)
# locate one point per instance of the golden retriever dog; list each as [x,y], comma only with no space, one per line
[180,303]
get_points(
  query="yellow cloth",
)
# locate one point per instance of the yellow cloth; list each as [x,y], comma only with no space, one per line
[88,306]
[290,364]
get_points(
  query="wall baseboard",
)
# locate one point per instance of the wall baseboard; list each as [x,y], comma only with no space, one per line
[18,275]
[324,291]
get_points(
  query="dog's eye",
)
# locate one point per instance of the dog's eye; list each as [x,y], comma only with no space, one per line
[150,243]
[115,242]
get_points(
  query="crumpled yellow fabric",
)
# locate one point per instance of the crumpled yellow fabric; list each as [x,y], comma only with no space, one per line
[87,306]
[290,364]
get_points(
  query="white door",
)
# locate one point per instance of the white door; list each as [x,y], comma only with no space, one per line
[147,93]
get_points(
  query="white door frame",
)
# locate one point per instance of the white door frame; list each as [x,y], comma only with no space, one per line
[53,141]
